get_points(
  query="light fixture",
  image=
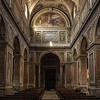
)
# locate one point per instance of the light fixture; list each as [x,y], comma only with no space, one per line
[50,43]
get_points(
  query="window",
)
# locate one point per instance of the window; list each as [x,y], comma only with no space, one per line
[74,11]
[10,3]
[26,11]
[90,3]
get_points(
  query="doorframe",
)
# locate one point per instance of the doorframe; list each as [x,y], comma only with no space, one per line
[55,75]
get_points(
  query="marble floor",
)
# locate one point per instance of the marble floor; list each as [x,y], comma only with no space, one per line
[50,95]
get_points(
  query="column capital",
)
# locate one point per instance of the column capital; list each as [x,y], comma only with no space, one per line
[62,64]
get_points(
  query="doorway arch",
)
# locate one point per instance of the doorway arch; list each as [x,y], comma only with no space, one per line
[2,51]
[84,61]
[75,67]
[50,71]
[16,64]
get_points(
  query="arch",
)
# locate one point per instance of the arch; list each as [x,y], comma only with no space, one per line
[50,66]
[2,27]
[44,53]
[25,68]
[16,45]
[49,55]
[75,68]
[74,54]
[55,10]
[83,61]
[83,47]
[16,64]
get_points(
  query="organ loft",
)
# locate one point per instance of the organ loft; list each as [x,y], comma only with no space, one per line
[49,45]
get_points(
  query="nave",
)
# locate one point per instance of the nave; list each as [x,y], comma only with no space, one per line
[49,44]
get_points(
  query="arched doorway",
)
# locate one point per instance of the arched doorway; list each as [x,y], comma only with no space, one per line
[2,28]
[75,81]
[2,52]
[50,71]
[83,62]
[16,64]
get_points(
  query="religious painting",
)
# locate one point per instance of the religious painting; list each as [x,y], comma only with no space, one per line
[50,36]
[62,36]
[38,36]
[50,20]
[69,56]
[91,68]
[62,56]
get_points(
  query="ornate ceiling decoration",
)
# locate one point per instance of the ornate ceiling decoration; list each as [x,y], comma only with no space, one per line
[65,6]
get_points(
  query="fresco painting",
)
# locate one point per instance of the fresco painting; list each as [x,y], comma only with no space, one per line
[50,20]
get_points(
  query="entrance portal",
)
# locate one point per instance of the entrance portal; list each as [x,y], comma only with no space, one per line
[50,71]
[50,79]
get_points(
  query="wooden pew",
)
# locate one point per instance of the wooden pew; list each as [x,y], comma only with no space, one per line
[29,94]
[66,94]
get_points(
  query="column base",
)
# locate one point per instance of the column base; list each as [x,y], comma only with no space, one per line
[2,91]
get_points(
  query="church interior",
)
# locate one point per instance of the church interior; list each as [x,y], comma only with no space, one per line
[49,46]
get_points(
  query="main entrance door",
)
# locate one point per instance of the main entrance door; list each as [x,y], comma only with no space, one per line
[50,71]
[50,79]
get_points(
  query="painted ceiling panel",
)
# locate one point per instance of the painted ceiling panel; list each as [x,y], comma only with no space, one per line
[50,20]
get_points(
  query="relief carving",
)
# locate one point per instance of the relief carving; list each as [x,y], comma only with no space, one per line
[62,37]
[62,56]
[69,56]
[38,36]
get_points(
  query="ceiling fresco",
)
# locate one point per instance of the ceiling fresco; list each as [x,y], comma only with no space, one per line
[50,20]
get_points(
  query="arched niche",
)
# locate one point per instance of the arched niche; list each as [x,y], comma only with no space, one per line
[50,66]
[16,64]
[83,62]
[98,31]
[75,68]
[2,52]
[83,47]
[2,28]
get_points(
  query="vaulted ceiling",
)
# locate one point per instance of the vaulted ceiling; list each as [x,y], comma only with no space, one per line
[64,6]
[52,16]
